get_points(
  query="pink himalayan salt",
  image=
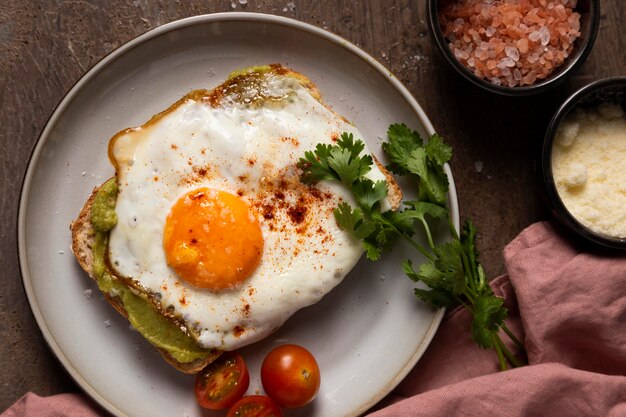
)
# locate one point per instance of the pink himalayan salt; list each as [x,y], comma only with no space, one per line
[539,33]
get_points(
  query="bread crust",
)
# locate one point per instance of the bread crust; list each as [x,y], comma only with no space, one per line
[83,238]
[394,192]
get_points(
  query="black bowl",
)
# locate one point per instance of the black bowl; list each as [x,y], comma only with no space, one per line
[612,90]
[589,23]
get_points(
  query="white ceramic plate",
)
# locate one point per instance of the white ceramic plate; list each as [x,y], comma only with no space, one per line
[366,334]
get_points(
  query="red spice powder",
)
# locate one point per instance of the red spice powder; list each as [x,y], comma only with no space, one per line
[510,42]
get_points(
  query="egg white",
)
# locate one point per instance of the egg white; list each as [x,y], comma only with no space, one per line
[238,148]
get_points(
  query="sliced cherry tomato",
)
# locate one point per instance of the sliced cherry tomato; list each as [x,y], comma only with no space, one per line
[290,376]
[254,406]
[222,382]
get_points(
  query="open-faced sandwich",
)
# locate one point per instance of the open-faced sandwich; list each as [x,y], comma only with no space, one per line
[205,238]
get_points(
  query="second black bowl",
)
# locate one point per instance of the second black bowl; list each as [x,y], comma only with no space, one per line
[608,90]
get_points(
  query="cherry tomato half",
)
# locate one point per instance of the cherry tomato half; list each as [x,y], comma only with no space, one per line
[254,406]
[290,376]
[222,382]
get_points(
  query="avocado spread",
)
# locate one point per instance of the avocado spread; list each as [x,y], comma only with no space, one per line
[155,328]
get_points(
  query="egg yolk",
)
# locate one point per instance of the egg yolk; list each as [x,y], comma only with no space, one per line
[212,239]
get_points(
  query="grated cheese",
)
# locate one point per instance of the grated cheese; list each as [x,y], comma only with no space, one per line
[589,168]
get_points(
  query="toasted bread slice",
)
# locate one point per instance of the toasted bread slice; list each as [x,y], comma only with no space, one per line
[83,237]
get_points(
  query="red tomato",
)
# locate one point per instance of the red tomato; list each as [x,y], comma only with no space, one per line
[290,376]
[222,382]
[254,406]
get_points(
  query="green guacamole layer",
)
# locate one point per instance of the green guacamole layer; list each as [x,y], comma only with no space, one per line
[155,328]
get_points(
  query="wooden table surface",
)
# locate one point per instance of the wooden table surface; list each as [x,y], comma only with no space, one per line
[46,46]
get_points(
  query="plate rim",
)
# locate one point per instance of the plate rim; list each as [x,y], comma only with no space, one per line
[125,48]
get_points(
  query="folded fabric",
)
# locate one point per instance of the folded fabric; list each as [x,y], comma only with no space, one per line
[568,306]
[61,405]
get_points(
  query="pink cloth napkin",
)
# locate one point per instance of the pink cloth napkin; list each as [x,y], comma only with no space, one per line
[567,306]
[61,405]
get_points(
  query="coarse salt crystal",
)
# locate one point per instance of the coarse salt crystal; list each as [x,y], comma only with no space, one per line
[522,45]
[107,323]
[490,31]
[530,78]
[478,166]
[544,35]
[461,54]
[88,293]
[506,62]
[512,52]
[534,36]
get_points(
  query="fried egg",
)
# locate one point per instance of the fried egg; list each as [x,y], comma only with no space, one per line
[214,226]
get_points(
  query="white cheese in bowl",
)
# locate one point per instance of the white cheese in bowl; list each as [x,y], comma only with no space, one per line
[589,168]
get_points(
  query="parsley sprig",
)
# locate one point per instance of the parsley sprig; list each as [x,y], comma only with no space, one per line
[452,273]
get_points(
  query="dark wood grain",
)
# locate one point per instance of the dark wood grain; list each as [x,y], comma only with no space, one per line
[45,47]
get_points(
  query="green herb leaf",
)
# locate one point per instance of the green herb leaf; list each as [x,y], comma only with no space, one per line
[488,318]
[346,217]
[336,162]
[435,297]
[450,263]
[315,165]
[369,194]
[346,141]
[402,221]
[407,267]
[348,168]
[402,141]
[438,152]
[432,276]
[407,154]
[372,251]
